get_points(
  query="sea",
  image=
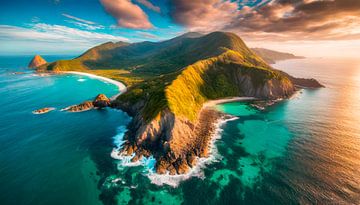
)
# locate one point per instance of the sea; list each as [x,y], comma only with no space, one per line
[303,150]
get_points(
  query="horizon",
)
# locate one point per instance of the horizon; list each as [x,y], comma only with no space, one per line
[308,28]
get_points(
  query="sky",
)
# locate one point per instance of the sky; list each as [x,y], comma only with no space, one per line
[312,28]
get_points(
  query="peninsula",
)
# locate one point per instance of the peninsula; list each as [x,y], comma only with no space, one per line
[271,56]
[168,84]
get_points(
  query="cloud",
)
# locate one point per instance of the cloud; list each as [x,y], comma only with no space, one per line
[127,14]
[273,20]
[43,38]
[78,19]
[82,23]
[203,15]
[147,35]
[41,32]
[149,5]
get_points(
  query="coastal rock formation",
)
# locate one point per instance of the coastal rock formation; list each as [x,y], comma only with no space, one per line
[87,105]
[181,132]
[43,110]
[101,101]
[37,61]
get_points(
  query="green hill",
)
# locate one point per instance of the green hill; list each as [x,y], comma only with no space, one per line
[168,83]
[154,58]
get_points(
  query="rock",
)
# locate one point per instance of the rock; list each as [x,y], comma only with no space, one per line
[87,105]
[36,62]
[101,101]
[43,110]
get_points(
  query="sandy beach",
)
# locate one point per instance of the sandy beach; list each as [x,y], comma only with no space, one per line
[121,86]
[212,103]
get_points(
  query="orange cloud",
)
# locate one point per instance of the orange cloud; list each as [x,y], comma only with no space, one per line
[127,14]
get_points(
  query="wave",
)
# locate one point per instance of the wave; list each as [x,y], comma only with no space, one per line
[149,162]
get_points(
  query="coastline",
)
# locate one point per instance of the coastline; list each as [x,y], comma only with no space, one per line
[208,130]
[122,88]
[212,103]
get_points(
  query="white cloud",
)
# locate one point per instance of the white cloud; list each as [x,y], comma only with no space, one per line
[51,37]
[78,19]
[82,23]
[54,33]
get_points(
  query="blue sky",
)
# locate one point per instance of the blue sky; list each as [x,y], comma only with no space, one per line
[73,26]
[60,22]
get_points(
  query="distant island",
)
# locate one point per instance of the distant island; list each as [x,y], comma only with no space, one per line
[168,84]
[271,56]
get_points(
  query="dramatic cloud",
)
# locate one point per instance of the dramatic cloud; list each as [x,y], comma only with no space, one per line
[149,5]
[127,14]
[203,15]
[276,19]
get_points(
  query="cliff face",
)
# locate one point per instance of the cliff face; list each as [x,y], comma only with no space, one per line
[36,62]
[181,132]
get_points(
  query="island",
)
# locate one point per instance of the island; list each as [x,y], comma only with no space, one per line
[271,56]
[169,84]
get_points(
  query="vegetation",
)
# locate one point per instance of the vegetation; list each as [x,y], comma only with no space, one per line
[179,74]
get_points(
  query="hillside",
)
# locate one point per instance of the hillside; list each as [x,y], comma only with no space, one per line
[169,82]
[271,56]
[154,58]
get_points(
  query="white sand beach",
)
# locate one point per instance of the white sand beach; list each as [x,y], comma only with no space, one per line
[121,86]
[212,103]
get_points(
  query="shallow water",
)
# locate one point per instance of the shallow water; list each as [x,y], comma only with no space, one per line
[299,151]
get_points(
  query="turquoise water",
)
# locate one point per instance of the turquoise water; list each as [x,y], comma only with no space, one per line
[54,158]
[300,151]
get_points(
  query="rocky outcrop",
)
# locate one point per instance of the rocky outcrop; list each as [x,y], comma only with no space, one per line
[36,62]
[306,83]
[101,101]
[85,106]
[43,110]
[176,143]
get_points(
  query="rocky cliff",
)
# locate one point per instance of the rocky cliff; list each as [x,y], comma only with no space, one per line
[36,62]
[181,132]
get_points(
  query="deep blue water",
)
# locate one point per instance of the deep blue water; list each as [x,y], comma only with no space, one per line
[300,151]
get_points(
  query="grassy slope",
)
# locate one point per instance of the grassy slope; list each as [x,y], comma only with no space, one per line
[184,92]
[179,74]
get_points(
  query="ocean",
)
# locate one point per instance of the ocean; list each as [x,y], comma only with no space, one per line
[304,150]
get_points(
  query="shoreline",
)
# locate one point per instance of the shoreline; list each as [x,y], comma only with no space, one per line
[121,87]
[212,103]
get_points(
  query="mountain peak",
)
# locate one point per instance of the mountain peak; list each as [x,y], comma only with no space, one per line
[37,61]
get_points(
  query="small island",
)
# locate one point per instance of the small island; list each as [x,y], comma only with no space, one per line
[43,110]
[169,85]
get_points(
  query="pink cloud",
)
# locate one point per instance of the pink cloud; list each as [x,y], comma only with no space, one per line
[149,5]
[127,14]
